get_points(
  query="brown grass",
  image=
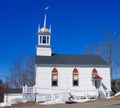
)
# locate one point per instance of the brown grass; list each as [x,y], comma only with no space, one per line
[117,98]
[22,104]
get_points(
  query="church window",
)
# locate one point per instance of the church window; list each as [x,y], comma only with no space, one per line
[96,79]
[47,39]
[44,39]
[54,77]
[40,39]
[75,77]
[94,73]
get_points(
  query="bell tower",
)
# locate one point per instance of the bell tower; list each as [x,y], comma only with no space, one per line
[44,35]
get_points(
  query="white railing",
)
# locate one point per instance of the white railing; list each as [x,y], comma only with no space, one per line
[28,89]
[63,94]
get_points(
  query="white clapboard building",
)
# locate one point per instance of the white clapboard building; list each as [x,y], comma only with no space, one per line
[57,75]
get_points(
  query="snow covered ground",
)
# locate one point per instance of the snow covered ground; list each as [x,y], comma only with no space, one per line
[59,101]
[117,94]
[14,101]
[4,104]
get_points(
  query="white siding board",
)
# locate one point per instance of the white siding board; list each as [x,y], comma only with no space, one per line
[65,79]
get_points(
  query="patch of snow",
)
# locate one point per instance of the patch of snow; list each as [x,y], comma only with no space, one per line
[13,101]
[57,101]
[110,97]
[18,100]
[117,94]
[4,104]
[81,100]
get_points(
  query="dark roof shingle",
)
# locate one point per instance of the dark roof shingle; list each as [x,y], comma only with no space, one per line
[62,59]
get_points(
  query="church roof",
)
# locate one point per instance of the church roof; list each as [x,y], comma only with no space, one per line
[70,60]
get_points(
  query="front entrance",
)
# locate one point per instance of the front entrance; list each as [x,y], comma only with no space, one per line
[97,84]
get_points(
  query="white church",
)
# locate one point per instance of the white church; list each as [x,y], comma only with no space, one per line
[58,75]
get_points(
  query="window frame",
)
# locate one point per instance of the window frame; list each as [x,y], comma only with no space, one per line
[75,80]
[54,82]
[44,40]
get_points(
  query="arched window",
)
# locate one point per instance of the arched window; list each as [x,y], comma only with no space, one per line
[96,78]
[40,39]
[54,77]
[94,73]
[75,77]
[47,39]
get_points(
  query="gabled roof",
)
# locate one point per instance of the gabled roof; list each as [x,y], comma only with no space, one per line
[97,77]
[75,60]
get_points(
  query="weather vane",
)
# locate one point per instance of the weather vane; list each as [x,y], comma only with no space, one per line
[46,8]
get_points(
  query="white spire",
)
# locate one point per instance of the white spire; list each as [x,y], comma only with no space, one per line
[39,28]
[45,21]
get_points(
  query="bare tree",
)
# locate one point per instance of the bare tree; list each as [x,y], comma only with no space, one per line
[16,74]
[22,73]
[109,50]
[28,77]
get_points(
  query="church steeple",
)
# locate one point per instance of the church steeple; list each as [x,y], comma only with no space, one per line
[45,21]
[44,35]
[44,29]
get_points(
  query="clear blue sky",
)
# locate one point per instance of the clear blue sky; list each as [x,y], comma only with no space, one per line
[75,24]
